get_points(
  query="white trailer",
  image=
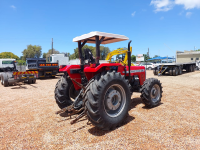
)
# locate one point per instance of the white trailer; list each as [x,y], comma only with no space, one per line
[61,59]
[174,69]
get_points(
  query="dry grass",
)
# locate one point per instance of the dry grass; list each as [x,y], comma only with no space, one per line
[28,119]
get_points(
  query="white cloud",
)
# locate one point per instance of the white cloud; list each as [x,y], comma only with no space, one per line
[133,14]
[162,5]
[188,4]
[166,5]
[188,14]
[181,12]
[161,18]
[12,6]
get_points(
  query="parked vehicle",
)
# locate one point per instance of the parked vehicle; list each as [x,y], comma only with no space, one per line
[61,59]
[148,65]
[103,91]
[10,75]
[174,69]
[44,69]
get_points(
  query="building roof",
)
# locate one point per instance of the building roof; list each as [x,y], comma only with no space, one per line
[109,37]
[187,52]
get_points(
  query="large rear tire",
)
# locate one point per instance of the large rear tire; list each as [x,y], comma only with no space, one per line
[175,71]
[5,80]
[180,70]
[151,92]
[170,71]
[154,71]
[1,79]
[108,100]
[64,91]
[193,68]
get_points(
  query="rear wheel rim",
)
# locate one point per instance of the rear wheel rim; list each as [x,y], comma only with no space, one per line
[114,100]
[155,93]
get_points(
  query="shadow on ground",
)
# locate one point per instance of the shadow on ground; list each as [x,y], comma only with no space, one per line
[183,72]
[98,132]
[21,86]
[49,78]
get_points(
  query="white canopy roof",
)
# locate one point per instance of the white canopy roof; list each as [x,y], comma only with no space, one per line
[109,37]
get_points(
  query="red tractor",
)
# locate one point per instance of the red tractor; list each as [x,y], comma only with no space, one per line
[103,91]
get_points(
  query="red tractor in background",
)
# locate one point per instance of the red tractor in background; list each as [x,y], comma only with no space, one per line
[103,91]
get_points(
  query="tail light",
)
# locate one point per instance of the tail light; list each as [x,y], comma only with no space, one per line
[92,65]
[62,66]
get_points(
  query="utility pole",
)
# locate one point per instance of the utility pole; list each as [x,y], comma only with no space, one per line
[148,51]
[52,45]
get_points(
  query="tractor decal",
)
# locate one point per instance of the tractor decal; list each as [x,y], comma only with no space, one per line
[134,71]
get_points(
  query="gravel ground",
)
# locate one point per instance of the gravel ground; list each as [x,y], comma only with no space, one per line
[28,119]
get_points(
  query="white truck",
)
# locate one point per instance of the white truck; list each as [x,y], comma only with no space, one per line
[61,59]
[10,75]
[174,69]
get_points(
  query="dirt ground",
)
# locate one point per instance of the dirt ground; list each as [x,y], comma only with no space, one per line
[28,119]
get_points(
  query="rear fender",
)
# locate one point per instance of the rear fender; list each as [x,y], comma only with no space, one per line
[75,76]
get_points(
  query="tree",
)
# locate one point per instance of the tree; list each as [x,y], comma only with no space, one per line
[133,58]
[21,62]
[45,55]
[54,51]
[103,52]
[72,56]
[197,50]
[155,56]
[8,55]
[32,51]
[146,57]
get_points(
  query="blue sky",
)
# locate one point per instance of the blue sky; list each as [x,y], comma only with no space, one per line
[162,25]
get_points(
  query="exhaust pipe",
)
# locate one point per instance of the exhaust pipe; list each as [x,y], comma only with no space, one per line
[129,59]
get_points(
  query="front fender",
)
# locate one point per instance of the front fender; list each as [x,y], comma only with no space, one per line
[75,76]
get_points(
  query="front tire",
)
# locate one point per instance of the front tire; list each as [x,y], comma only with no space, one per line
[151,92]
[64,91]
[107,100]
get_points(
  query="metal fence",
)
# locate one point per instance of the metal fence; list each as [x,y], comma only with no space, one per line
[21,68]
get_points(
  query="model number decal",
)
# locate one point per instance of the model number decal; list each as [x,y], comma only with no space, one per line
[134,71]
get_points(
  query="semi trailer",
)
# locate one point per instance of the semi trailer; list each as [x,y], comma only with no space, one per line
[174,69]
[10,75]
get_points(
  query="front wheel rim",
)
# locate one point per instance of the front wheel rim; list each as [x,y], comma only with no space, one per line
[155,93]
[114,100]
